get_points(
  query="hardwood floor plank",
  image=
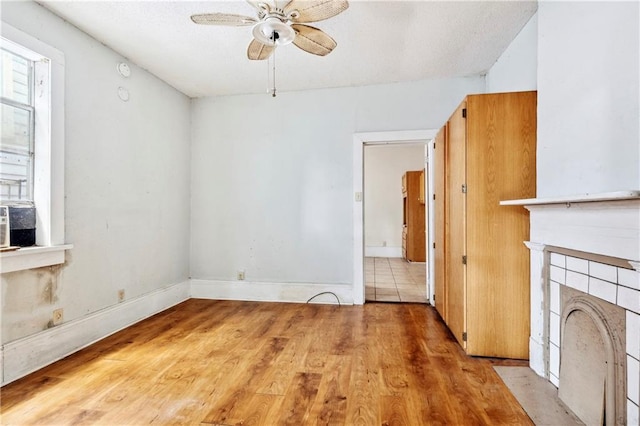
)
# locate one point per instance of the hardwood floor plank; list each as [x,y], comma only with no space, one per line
[229,362]
[394,411]
[330,407]
[70,416]
[299,398]
[260,410]
[363,399]
[244,385]
[342,339]
[278,377]
[33,386]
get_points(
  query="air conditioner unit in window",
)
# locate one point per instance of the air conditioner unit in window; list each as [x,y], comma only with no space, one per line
[4,226]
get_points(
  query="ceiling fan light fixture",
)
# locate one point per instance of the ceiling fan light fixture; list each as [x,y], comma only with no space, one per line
[264,31]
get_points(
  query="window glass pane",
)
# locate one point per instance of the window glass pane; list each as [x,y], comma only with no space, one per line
[16,128]
[15,76]
[16,154]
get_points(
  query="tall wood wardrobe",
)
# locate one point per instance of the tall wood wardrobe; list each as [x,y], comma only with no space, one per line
[485,153]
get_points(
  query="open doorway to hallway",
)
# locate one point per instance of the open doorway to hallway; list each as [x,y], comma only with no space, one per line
[395,222]
[360,141]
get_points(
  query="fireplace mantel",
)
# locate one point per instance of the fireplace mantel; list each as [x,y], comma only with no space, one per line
[582,198]
[607,224]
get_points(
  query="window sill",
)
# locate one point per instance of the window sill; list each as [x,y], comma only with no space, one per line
[32,257]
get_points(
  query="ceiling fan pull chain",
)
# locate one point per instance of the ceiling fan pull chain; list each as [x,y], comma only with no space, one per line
[275,47]
[268,61]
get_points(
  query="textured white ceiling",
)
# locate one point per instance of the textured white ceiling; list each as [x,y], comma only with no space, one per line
[378,42]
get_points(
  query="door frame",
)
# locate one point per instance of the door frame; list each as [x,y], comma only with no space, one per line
[372,138]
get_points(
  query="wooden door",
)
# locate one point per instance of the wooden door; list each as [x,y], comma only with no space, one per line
[439,176]
[415,219]
[501,166]
[456,228]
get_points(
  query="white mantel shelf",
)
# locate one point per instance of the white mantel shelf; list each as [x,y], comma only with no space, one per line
[584,198]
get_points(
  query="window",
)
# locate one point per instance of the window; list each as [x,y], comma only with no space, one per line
[32,144]
[18,126]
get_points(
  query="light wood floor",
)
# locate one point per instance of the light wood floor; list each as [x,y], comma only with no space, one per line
[225,362]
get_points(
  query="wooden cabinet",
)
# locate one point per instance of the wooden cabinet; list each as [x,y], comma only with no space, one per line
[484,154]
[413,226]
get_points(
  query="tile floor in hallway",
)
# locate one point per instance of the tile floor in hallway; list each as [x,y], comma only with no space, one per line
[394,280]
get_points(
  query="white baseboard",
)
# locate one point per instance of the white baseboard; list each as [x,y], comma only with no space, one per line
[271,292]
[383,251]
[26,355]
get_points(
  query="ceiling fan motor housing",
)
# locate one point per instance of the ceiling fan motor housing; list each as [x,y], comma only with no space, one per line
[272,30]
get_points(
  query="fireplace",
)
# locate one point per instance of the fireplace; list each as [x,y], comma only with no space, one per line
[587,336]
[585,302]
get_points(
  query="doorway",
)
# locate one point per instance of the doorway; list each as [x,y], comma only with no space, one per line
[394,222]
[360,141]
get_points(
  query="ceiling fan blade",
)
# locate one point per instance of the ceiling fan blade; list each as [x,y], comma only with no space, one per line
[313,40]
[258,51]
[223,19]
[316,10]
[254,3]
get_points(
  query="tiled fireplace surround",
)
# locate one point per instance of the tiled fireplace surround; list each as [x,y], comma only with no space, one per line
[591,244]
[613,284]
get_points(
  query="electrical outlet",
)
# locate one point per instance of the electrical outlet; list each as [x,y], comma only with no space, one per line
[121,295]
[57,316]
[240,275]
[384,244]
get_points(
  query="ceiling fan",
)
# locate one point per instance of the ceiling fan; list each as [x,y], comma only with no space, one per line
[279,26]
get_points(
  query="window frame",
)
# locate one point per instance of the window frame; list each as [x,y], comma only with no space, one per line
[48,188]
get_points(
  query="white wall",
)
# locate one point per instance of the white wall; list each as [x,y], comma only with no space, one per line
[127,185]
[272,177]
[588,68]
[516,69]
[588,137]
[384,166]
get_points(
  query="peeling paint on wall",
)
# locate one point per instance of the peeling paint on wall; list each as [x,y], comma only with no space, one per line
[50,279]
[29,300]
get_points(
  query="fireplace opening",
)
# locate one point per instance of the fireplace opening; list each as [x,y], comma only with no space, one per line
[592,358]
[583,352]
